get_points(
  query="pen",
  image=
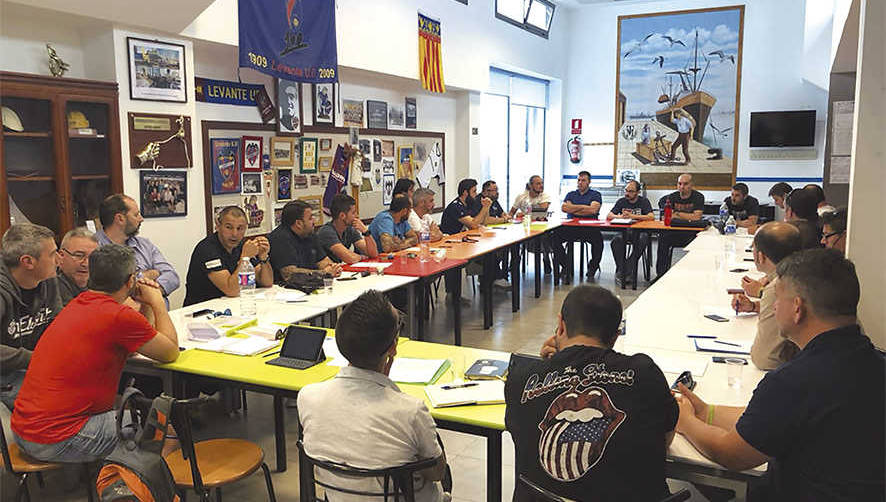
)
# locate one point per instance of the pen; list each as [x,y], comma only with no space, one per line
[296,301]
[727,343]
[272,353]
[700,336]
[459,386]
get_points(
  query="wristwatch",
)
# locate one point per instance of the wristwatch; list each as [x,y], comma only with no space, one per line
[259,260]
[367,233]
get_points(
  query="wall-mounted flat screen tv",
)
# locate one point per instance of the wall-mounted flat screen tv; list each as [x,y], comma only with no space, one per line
[783,129]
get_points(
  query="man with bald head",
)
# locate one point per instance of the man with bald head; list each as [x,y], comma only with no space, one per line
[687,204]
[773,242]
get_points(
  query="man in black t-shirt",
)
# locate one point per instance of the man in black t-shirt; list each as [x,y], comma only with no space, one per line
[686,204]
[637,208]
[294,247]
[817,419]
[216,260]
[589,423]
[743,207]
[465,211]
[345,231]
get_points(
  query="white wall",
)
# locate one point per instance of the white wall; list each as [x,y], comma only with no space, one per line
[772,77]
[25,32]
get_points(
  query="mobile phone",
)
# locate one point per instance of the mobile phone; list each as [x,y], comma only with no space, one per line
[734,270]
[201,312]
[734,291]
[748,259]
[715,317]
[722,359]
[686,379]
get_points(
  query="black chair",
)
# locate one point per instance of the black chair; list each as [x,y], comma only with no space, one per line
[544,495]
[397,481]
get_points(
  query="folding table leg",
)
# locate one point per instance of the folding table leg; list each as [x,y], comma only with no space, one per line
[515,278]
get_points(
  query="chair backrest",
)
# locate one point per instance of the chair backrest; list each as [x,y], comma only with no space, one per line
[397,481]
[181,421]
[539,493]
[4,447]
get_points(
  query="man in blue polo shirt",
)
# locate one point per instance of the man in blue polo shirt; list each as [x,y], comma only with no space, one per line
[818,418]
[390,228]
[583,203]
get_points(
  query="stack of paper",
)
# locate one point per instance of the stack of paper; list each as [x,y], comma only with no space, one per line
[239,346]
[371,264]
[485,392]
[423,371]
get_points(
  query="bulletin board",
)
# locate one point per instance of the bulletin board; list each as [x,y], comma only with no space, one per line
[307,182]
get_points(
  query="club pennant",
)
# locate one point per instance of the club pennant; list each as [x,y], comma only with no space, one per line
[430,61]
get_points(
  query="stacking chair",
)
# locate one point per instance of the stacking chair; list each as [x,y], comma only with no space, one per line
[539,493]
[397,481]
[214,463]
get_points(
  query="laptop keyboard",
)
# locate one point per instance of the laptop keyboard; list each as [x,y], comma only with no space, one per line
[297,364]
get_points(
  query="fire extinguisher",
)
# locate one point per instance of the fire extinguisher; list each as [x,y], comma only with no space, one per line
[574,147]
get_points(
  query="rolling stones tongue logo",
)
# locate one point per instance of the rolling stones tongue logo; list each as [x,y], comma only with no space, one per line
[575,431]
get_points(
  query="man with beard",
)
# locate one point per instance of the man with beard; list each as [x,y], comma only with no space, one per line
[496,212]
[121,220]
[590,423]
[73,262]
[216,259]
[462,212]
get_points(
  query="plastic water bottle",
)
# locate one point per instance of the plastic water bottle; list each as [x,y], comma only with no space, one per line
[246,277]
[724,213]
[424,243]
[527,217]
[730,226]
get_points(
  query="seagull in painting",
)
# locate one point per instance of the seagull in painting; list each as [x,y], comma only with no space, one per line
[659,60]
[632,49]
[721,132]
[723,56]
[647,37]
[673,40]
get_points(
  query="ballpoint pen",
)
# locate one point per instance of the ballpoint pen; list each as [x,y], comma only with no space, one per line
[728,343]
[459,386]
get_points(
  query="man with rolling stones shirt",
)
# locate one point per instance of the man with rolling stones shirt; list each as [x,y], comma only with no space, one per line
[589,423]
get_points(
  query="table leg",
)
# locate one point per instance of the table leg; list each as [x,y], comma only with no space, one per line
[280,433]
[456,306]
[412,299]
[624,260]
[581,260]
[515,277]
[493,466]
[538,270]
[486,288]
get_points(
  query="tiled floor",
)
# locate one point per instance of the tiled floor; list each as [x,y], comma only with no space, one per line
[522,332]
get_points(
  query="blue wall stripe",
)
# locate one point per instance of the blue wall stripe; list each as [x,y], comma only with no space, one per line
[758,179]
[593,176]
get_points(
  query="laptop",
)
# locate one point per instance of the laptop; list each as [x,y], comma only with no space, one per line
[302,348]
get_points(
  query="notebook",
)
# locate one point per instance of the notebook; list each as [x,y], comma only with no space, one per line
[726,346]
[423,371]
[487,369]
[485,392]
[239,345]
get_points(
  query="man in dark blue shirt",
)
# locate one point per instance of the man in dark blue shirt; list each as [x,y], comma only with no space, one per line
[583,203]
[460,213]
[817,419]
[635,207]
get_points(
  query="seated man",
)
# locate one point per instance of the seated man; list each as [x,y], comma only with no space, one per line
[360,417]
[294,247]
[581,203]
[686,204]
[29,300]
[801,210]
[818,419]
[822,205]
[833,228]
[743,207]
[217,259]
[345,231]
[121,220]
[589,423]
[534,198]
[73,262]
[65,410]
[778,192]
[496,213]
[391,229]
[420,216]
[773,242]
[463,212]
[637,208]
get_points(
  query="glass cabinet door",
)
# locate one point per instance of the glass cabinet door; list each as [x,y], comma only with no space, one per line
[29,161]
[88,157]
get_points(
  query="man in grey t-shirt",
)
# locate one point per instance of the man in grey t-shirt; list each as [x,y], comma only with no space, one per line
[345,232]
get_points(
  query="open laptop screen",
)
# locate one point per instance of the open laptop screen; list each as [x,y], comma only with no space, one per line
[303,343]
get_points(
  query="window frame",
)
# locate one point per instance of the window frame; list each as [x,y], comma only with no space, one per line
[531,28]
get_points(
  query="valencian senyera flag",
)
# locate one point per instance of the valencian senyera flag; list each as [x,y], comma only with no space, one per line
[430,60]
[289,39]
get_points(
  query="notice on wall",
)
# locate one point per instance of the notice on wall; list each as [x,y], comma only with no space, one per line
[842,114]
[840,170]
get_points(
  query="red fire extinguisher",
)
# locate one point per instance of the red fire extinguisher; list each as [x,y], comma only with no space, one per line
[574,147]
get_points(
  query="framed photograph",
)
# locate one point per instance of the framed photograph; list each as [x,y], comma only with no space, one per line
[376,114]
[679,70]
[395,117]
[387,190]
[365,146]
[288,107]
[325,144]
[282,151]
[225,165]
[316,203]
[314,180]
[300,181]
[250,148]
[251,184]
[352,113]
[156,70]
[404,163]
[411,113]
[284,184]
[376,150]
[387,148]
[324,103]
[163,193]
[324,164]
[308,156]
[278,216]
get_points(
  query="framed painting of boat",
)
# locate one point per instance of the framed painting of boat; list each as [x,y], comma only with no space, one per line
[677,93]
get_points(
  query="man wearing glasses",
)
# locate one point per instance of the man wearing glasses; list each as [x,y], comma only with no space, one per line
[73,262]
[637,208]
[833,229]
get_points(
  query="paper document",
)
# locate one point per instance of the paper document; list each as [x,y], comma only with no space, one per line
[410,370]
[239,346]
[589,222]
[621,221]
[268,332]
[454,394]
[371,264]
[722,345]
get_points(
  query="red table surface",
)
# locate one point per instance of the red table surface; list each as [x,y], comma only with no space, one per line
[647,225]
[410,267]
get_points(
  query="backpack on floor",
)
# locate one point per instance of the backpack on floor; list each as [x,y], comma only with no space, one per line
[135,470]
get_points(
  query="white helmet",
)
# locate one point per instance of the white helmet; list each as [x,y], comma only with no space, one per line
[11,120]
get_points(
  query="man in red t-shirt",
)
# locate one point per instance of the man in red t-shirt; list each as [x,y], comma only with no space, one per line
[65,409]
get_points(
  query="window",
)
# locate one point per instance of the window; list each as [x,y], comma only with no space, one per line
[533,16]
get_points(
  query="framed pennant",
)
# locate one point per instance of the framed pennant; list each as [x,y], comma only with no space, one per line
[250,149]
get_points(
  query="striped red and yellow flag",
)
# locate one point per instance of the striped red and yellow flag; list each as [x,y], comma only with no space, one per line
[430,62]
